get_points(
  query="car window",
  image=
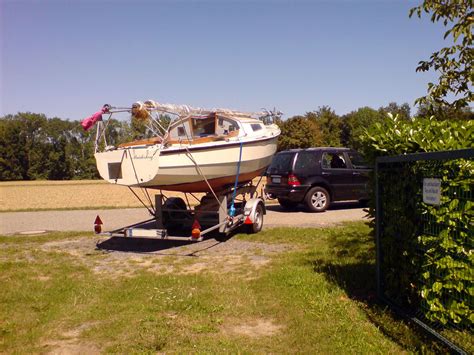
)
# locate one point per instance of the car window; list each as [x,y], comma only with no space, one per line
[305,161]
[281,163]
[334,161]
[357,161]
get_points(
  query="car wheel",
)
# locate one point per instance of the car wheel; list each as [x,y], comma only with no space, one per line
[257,224]
[287,204]
[317,199]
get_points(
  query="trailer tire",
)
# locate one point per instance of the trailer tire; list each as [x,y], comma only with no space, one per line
[257,224]
[173,203]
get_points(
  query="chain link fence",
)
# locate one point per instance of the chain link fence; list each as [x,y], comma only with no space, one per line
[424,238]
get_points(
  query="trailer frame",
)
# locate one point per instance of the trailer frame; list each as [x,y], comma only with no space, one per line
[222,211]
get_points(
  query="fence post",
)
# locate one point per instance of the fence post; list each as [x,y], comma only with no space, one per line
[378,215]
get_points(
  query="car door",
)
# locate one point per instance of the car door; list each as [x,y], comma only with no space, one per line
[337,172]
[360,175]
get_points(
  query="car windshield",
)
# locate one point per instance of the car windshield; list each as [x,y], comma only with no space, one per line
[281,163]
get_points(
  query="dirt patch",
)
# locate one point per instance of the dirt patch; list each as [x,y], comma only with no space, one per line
[254,329]
[69,343]
[65,348]
[43,278]
[120,257]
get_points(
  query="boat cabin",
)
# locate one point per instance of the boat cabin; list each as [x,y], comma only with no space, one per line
[204,129]
[199,129]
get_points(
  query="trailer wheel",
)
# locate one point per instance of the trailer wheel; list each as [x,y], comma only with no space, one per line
[170,217]
[257,224]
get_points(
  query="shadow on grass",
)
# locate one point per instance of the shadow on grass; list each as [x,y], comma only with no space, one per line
[352,268]
[356,279]
[138,245]
[145,245]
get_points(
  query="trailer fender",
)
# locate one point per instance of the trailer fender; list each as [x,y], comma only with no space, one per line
[251,206]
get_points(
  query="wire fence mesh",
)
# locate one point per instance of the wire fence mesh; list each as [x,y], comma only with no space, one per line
[425,229]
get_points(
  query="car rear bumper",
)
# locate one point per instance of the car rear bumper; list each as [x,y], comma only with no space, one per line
[291,193]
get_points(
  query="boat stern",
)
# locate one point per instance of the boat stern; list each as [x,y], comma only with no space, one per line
[129,167]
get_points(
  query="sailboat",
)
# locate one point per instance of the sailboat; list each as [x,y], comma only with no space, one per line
[199,151]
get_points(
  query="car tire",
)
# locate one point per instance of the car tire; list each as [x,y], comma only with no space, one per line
[317,199]
[287,204]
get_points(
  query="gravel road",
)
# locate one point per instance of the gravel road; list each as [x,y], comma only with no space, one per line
[82,220]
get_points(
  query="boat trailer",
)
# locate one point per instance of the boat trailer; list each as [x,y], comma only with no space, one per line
[222,212]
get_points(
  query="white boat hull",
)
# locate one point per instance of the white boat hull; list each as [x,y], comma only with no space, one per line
[182,168]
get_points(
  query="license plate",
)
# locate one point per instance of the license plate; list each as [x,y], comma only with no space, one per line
[276,179]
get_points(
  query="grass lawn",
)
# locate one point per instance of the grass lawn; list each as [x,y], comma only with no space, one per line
[281,291]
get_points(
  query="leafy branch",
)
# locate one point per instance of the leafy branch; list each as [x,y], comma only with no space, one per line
[454,63]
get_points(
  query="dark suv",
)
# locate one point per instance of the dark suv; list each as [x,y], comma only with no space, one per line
[316,177]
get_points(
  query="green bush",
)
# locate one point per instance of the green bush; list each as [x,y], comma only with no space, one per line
[427,250]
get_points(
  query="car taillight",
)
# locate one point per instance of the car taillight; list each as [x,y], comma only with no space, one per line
[293,180]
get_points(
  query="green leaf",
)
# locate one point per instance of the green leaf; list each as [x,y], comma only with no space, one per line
[437,286]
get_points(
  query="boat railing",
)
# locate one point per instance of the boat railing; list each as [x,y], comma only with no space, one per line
[158,118]
[155,127]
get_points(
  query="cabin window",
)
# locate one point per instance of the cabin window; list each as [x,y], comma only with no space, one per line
[225,126]
[180,130]
[256,126]
[203,127]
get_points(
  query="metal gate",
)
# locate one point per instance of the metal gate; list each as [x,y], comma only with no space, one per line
[424,241]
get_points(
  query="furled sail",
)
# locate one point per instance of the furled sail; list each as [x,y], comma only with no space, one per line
[143,109]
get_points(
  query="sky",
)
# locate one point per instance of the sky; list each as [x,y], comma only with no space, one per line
[67,58]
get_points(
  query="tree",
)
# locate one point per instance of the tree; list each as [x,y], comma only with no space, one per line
[355,123]
[12,154]
[329,123]
[402,111]
[454,63]
[81,152]
[20,137]
[445,112]
[299,132]
[55,160]
[35,147]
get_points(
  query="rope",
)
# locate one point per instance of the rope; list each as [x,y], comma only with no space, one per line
[144,191]
[232,208]
[151,212]
[204,177]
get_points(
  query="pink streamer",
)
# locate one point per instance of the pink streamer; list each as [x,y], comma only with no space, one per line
[90,121]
